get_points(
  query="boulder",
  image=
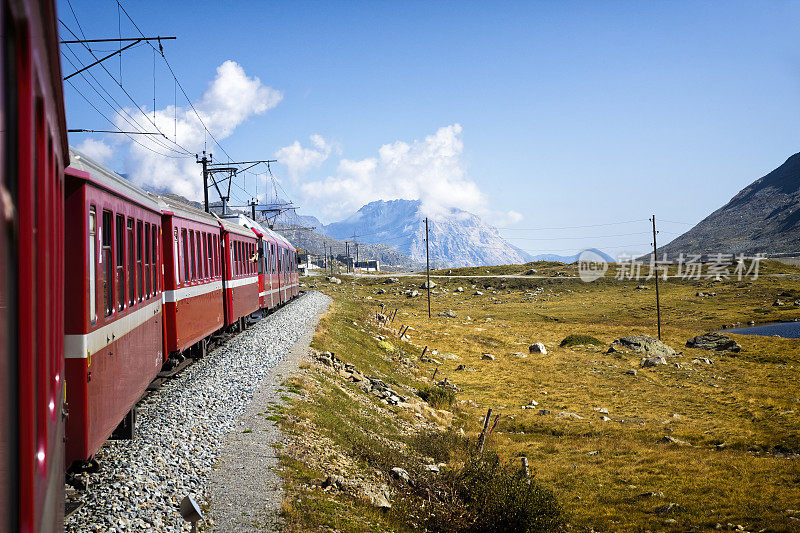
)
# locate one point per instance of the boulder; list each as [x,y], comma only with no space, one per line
[714,341]
[566,414]
[413,293]
[389,281]
[460,289]
[333,279]
[537,347]
[631,372]
[400,474]
[530,272]
[644,344]
[488,357]
[654,360]
[642,287]
[702,360]
[428,285]
[477,293]
[448,314]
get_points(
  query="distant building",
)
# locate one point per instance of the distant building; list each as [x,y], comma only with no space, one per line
[372,265]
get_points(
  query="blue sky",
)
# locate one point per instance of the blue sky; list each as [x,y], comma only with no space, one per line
[532,114]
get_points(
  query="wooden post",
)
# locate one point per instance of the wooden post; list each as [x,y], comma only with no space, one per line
[482,438]
[394,315]
[428,266]
[425,349]
[434,374]
[525,469]
[496,418]
[655,261]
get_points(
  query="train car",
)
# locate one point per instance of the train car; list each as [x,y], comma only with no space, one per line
[287,269]
[113,332]
[240,274]
[268,279]
[33,155]
[193,298]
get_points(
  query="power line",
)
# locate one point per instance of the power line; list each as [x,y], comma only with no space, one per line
[119,110]
[112,123]
[119,84]
[175,77]
[577,227]
[577,238]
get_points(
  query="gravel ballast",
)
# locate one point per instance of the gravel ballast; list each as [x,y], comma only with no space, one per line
[181,426]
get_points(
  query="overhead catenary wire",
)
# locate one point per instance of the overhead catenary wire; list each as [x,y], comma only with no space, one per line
[119,109]
[122,88]
[175,77]
[113,124]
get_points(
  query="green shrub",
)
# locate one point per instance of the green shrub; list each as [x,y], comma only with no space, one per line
[436,396]
[500,498]
[443,446]
[574,340]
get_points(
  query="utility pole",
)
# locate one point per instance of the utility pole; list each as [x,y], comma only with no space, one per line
[428,266]
[356,255]
[347,256]
[655,260]
[253,203]
[205,161]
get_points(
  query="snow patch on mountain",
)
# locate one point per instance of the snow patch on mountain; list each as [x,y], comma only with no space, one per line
[458,238]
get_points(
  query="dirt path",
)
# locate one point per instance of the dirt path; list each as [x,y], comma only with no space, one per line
[245,488]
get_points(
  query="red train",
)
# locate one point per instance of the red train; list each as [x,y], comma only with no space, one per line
[142,282]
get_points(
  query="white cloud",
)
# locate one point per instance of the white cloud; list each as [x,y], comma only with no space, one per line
[231,98]
[430,170]
[96,149]
[299,160]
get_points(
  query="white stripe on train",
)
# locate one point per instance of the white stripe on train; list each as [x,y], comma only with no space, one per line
[82,346]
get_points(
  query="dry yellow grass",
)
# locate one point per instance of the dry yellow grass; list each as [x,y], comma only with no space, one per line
[739,416]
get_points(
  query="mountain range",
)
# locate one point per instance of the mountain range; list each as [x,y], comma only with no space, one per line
[764,217]
[457,237]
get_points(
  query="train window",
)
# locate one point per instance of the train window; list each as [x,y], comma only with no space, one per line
[186,276]
[92,264]
[235,257]
[147,259]
[107,258]
[154,262]
[139,272]
[120,262]
[206,269]
[216,256]
[191,255]
[209,249]
[131,264]
[199,256]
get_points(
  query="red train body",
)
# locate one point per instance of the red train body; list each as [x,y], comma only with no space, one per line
[33,152]
[147,278]
[240,277]
[193,302]
[112,341]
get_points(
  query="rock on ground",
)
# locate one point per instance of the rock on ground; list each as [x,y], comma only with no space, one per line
[644,344]
[714,341]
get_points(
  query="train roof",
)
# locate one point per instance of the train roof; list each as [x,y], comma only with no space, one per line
[233,227]
[108,179]
[266,232]
[184,210]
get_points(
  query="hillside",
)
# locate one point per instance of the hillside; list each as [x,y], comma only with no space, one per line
[313,242]
[762,217]
[458,238]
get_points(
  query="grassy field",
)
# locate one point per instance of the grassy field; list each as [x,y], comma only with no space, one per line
[736,422]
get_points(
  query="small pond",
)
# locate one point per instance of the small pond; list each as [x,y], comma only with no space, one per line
[788,330]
